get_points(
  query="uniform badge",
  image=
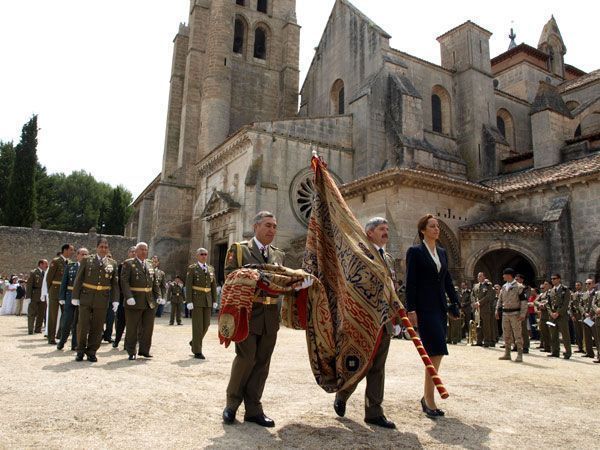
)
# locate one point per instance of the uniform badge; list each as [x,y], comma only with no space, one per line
[230,256]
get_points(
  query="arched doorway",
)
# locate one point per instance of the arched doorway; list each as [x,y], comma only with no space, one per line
[495,261]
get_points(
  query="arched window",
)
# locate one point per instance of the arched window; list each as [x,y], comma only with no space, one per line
[441,119]
[505,124]
[260,44]
[338,97]
[240,2]
[238,36]
[261,6]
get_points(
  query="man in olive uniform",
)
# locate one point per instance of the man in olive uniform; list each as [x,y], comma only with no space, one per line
[465,306]
[96,286]
[200,295]
[596,328]
[53,281]
[559,298]
[120,314]
[541,303]
[512,299]
[141,291]
[162,284]
[69,319]
[483,297]
[575,315]
[377,230]
[588,312]
[36,310]
[176,297]
[250,367]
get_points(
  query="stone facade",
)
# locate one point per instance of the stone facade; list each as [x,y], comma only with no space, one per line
[21,248]
[503,150]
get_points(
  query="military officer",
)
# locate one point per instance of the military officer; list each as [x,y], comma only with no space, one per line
[559,298]
[483,297]
[541,304]
[377,231]
[512,300]
[53,281]
[465,305]
[575,315]
[176,297]
[162,284]
[250,367]
[96,285]
[142,295]
[200,296]
[36,310]
[596,328]
[120,314]
[588,312]
[68,321]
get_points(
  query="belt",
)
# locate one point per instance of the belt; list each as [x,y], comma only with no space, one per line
[56,282]
[96,288]
[69,288]
[508,310]
[133,289]
[201,289]
[266,300]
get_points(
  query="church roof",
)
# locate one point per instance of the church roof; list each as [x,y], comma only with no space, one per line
[468,23]
[533,178]
[581,81]
[550,30]
[364,17]
[501,226]
[548,97]
[521,48]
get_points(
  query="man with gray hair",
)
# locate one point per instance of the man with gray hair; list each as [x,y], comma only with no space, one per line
[200,296]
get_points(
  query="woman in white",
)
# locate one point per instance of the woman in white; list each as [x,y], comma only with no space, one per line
[9,303]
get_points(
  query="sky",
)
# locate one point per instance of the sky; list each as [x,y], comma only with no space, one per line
[97,73]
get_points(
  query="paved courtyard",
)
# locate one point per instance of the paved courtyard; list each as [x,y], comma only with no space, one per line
[175,401]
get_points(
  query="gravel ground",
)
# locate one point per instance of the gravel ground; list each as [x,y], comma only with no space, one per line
[175,401]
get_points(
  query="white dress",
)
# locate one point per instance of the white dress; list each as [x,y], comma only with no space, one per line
[9,303]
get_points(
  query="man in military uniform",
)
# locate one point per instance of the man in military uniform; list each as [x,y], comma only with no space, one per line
[513,302]
[541,304]
[250,367]
[69,319]
[36,310]
[53,281]
[596,328]
[588,312]
[200,296]
[96,286]
[483,297]
[176,297]
[464,295]
[162,284]
[575,315]
[142,293]
[120,314]
[559,298]
[524,331]
[377,230]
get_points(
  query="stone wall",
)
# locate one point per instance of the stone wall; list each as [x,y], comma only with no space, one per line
[21,248]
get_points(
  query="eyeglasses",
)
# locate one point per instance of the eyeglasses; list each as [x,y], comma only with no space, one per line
[203,254]
[554,278]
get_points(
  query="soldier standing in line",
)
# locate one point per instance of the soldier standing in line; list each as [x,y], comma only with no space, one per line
[120,314]
[596,328]
[142,293]
[53,281]
[524,331]
[36,310]
[465,306]
[575,315]
[201,297]
[69,319]
[162,284]
[483,298]
[96,285]
[512,299]
[176,296]
[588,312]
[541,304]
[559,298]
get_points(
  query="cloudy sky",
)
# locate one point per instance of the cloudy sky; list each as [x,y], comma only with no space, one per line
[97,73]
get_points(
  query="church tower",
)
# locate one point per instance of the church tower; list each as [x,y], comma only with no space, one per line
[552,44]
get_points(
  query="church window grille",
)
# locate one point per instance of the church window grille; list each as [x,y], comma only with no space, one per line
[238,36]
[436,113]
[260,44]
[261,6]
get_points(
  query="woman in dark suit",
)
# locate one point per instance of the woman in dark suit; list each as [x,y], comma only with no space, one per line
[427,284]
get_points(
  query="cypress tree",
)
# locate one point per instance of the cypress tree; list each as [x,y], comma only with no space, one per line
[7,160]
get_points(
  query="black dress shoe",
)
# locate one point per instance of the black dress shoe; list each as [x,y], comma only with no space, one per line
[60,346]
[30,332]
[179,323]
[92,358]
[199,356]
[52,342]
[131,357]
[525,350]
[566,355]
[145,355]
[553,355]
[261,420]
[73,349]
[597,361]
[115,344]
[228,416]
[109,340]
[381,421]
[340,407]
[79,356]
[430,412]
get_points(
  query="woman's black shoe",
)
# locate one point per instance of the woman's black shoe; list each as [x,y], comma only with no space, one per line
[430,412]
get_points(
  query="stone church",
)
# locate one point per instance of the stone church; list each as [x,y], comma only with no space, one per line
[503,150]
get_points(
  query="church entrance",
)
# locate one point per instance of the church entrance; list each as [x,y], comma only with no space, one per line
[220,253]
[494,262]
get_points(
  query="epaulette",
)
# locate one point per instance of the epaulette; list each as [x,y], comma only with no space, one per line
[242,242]
[275,248]
[128,260]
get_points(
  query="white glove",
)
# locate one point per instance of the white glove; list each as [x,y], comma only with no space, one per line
[61,302]
[215,305]
[27,299]
[43,298]
[308,281]
[189,306]
[115,306]
[161,301]
[75,302]
[131,301]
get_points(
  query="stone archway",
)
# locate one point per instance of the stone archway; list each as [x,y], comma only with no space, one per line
[494,262]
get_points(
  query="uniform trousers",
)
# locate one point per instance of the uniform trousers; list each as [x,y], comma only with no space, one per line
[175,312]
[53,307]
[110,320]
[200,324]
[35,315]
[119,322]
[68,324]
[545,333]
[488,322]
[89,328]
[512,330]
[144,320]
[249,372]
[562,327]
[588,336]
[375,382]
[578,328]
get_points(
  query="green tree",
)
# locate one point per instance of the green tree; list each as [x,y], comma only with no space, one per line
[7,160]
[20,207]
[118,212]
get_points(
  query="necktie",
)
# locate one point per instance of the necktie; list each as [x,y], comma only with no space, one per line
[381,252]
[265,253]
